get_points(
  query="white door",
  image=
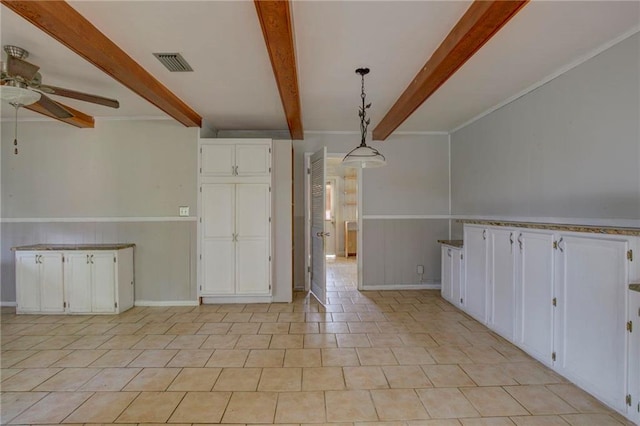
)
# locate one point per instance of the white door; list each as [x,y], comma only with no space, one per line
[318,232]
[252,238]
[218,160]
[253,159]
[502,283]
[77,281]
[218,239]
[591,335]
[534,294]
[475,247]
[28,281]
[51,282]
[103,280]
[447,263]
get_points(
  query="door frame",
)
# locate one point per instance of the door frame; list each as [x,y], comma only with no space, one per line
[307,219]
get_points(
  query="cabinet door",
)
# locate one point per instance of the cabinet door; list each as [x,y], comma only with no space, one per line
[253,159]
[218,239]
[634,357]
[27,281]
[77,281]
[534,310]
[51,282]
[445,286]
[218,160]
[502,281]
[457,265]
[475,246]
[103,281]
[253,209]
[590,333]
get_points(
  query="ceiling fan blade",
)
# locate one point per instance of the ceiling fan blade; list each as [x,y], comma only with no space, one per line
[51,106]
[53,90]
[18,67]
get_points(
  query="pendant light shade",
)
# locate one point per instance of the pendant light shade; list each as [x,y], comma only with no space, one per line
[18,96]
[364,156]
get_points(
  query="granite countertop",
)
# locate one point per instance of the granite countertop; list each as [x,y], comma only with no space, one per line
[634,287]
[452,243]
[557,227]
[60,247]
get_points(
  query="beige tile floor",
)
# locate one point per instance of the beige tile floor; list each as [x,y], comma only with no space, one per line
[380,357]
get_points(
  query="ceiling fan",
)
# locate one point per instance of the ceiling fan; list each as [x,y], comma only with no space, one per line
[27,83]
[21,85]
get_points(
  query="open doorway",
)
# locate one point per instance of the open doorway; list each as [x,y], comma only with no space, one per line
[341,237]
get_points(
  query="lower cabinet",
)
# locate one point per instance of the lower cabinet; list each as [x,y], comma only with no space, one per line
[451,280]
[40,282]
[564,298]
[75,282]
[534,294]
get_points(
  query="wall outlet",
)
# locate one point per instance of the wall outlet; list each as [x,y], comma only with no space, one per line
[420,269]
[183,211]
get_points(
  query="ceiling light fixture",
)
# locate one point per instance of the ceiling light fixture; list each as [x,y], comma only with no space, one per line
[17,96]
[364,156]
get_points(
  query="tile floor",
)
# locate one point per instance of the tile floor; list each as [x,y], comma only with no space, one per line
[388,357]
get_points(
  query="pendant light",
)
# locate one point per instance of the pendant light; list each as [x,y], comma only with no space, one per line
[364,156]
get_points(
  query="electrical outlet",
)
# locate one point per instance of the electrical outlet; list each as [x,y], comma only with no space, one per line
[420,269]
[183,211]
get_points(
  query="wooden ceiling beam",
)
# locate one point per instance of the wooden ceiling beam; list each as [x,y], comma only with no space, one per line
[65,24]
[277,27]
[480,22]
[79,119]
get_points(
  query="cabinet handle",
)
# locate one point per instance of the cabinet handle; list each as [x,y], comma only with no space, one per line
[87,259]
[484,234]
[236,170]
[520,241]
[92,259]
[511,238]
[559,246]
[449,252]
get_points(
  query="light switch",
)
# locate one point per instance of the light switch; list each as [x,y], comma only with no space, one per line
[184,211]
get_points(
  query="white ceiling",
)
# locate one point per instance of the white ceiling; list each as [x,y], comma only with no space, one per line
[233,86]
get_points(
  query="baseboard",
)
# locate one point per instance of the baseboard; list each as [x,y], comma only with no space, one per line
[165,303]
[4,304]
[236,299]
[431,286]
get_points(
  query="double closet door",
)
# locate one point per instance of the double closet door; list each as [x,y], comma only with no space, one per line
[235,241]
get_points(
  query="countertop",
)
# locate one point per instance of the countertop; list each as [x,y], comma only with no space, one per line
[557,227]
[634,287]
[452,243]
[70,247]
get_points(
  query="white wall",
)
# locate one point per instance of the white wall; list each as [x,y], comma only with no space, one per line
[570,149]
[414,183]
[122,181]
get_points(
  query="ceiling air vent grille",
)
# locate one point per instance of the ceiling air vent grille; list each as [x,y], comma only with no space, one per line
[174,62]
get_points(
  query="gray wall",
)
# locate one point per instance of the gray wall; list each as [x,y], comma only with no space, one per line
[135,173]
[570,149]
[414,183]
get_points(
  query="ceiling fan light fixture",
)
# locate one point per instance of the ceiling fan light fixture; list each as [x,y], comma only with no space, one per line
[18,96]
[364,156]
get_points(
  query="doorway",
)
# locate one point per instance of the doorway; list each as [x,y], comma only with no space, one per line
[342,238]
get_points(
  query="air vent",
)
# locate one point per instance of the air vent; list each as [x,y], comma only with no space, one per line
[174,62]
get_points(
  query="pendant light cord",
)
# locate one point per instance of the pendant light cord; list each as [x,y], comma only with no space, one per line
[15,130]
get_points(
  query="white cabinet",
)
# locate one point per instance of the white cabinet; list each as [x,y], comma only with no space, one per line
[590,335]
[235,224]
[451,280]
[502,277]
[92,283]
[74,281]
[235,239]
[39,282]
[634,354]
[534,293]
[236,157]
[475,288]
